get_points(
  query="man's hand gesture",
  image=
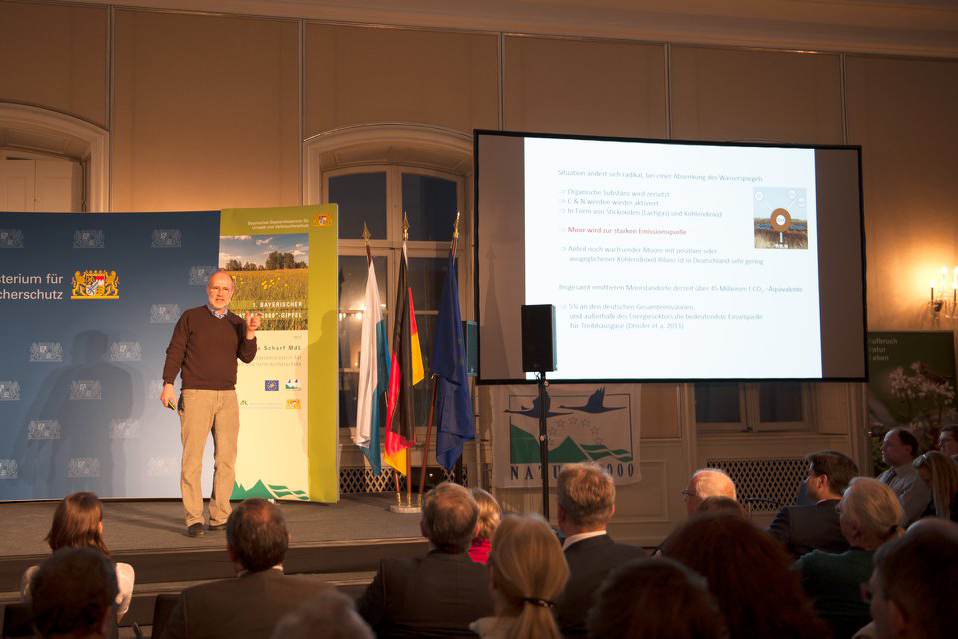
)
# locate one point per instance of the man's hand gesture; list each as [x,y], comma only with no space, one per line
[252,323]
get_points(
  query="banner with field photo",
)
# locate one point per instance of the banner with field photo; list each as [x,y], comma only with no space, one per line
[584,423]
[284,262]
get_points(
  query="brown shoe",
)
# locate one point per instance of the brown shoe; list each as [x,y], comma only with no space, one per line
[214,527]
[195,530]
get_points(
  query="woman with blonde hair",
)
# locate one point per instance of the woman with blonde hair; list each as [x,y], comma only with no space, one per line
[78,522]
[940,474]
[527,572]
[489,516]
[870,514]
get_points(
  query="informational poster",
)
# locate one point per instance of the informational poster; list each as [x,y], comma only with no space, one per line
[911,382]
[89,302]
[583,422]
[284,263]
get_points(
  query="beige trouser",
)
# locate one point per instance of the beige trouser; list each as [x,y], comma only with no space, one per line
[200,411]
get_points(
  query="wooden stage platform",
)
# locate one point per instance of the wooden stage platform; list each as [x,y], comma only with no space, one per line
[339,543]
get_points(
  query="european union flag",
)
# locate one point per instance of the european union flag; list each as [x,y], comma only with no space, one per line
[453,400]
[272,384]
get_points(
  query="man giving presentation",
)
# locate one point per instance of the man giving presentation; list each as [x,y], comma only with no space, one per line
[206,343]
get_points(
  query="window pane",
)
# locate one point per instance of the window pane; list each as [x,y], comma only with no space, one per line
[348,396]
[361,198]
[780,402]
[717,402]
[430,204]
[426,276]
[352,299]
[426,327]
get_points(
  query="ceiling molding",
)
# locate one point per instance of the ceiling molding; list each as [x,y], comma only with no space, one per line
[896,27]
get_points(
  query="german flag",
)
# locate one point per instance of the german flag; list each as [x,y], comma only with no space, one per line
[405,371]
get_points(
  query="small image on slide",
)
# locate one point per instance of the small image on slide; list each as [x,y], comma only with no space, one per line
[780,218]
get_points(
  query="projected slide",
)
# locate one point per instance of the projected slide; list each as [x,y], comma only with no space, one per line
[670,260]
[659,254]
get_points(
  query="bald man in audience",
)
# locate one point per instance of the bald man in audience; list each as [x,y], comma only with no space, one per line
[705,483]
[585,494]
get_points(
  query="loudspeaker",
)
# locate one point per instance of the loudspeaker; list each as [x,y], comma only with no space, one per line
[538,338]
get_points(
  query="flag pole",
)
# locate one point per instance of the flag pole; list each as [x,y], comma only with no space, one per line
[435,381]
[405,237]
[369,260]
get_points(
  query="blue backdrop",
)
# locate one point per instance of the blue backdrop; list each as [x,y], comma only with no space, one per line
[88,303]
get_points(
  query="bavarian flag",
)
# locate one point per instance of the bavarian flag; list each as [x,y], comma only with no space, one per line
[455,423]
[373,375]
[405,371]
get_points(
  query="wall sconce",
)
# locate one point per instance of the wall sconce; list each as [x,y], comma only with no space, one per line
[940,304]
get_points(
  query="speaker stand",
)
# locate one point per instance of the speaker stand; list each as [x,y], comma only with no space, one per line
[544,442]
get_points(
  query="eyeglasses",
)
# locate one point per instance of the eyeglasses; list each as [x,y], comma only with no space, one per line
[686,494]
[887,445]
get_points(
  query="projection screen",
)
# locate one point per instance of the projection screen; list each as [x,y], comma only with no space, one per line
[671,260]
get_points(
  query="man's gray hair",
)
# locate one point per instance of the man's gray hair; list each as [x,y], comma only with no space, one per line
[586,493]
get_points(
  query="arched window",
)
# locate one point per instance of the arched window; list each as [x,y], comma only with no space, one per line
[377,174]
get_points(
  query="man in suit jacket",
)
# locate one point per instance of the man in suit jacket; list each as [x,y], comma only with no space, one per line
[806,528]
[440,594]
[585,494]
[249,606]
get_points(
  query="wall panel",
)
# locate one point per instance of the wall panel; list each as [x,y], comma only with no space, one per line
[584,87]
[54,56]
[206,112]
[729,94]
[359,75]
[902,112]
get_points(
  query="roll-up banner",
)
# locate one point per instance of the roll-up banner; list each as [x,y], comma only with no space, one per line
[89,302]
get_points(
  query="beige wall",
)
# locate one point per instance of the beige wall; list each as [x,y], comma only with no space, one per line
[903,114]
[358,75]
[206,112]
[55,57]
[584,87]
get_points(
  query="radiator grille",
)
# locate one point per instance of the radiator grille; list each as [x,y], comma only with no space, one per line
[360,479]
[764,485]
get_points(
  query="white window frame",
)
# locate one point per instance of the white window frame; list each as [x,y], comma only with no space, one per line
[749,412]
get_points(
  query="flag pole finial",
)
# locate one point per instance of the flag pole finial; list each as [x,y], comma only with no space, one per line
[366,233]
[455,228]
[405,227]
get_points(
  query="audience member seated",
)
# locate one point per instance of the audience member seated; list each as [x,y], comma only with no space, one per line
[440,594]
[806,528]
[585,494]
[721,504]
[869,514]
[705,483]
[330,614]
[489,515]
[77,523]
[527,573]
[655,599]
[899,451]
[940,474]
[948,441]
[747,573]
[249,606]
[915,583]
[74,594]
